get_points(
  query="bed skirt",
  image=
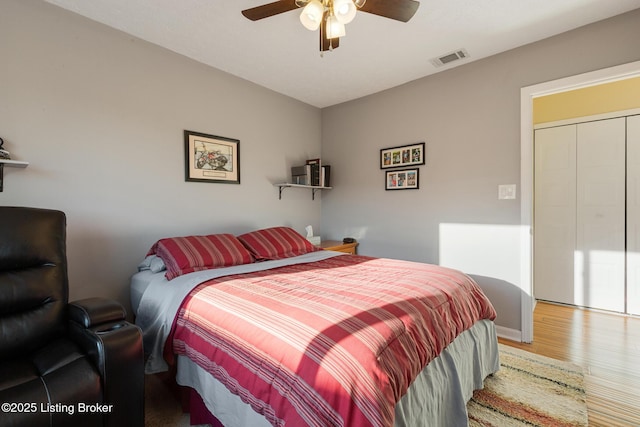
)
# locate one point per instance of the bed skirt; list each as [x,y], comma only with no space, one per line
[439,393]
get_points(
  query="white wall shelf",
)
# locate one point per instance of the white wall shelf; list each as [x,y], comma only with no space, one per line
[10,163]
[313,188]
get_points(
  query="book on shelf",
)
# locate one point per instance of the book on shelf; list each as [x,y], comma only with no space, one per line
[325,178]
[314,171]
[311,173]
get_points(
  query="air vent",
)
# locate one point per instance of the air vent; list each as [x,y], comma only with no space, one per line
[450,57]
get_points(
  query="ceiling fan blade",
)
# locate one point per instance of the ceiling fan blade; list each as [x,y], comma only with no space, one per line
[325,43]
[400,10]
[269,9]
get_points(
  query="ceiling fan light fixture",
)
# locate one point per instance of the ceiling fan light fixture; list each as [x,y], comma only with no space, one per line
[330,16]
[335,28]
[344,10]
[312,14]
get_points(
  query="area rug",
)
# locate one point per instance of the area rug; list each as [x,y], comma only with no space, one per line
[530,390]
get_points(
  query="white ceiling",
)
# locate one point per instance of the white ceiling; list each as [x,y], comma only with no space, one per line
[376,54]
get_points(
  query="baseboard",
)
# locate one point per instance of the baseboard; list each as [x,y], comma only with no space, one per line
[508,333]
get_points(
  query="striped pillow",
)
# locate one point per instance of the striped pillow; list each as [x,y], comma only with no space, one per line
[183,255]
[276,243]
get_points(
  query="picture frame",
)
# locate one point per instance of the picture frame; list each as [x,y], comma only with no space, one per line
[211,158]
[402,179]
[401,156]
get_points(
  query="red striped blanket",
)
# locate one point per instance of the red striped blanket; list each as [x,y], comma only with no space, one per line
[329,343]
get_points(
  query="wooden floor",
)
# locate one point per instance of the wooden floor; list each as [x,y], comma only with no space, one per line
[606,345]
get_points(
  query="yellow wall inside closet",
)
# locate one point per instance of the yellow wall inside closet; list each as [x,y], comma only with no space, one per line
[605,98]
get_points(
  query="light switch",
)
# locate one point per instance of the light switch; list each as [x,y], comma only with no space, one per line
[506,191]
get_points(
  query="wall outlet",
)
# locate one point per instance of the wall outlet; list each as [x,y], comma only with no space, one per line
[506,191]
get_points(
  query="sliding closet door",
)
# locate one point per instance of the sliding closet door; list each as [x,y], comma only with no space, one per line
[633,214]
[600,215]
[555,213]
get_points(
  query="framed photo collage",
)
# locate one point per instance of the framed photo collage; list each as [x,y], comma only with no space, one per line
[400,165]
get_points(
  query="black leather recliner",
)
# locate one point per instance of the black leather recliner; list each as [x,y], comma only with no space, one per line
[61,364]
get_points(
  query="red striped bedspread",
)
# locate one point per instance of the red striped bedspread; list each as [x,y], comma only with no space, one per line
[335,342]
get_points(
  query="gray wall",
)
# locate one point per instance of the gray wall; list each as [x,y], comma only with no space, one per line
[469,118]
[100,117]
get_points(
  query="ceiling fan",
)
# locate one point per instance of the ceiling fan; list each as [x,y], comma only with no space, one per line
[330,16]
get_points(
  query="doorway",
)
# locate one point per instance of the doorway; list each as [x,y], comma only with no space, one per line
[527,95]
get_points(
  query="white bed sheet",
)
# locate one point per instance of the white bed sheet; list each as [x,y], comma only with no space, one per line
[437,397]
[139,283]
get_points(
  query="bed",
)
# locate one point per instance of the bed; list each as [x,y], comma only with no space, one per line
[271,331]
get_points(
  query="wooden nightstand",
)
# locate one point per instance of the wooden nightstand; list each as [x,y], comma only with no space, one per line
[336,245]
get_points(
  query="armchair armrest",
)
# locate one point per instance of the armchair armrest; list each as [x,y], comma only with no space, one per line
[93,311]
[114,345]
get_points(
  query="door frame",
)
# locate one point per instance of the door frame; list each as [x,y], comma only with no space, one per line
[527,95]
